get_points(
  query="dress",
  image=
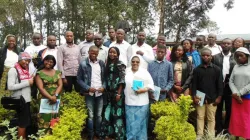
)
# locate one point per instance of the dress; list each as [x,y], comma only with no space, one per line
[50,85]
[113,117]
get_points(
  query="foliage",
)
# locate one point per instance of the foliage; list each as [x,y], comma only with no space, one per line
[220,136]
[5,114]
[73,100]
[10,131]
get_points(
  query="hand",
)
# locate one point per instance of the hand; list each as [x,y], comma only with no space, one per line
[118,97]
[140,53]
[65,82]
[31,81]
[53,99]
[151,96]
[217,101]
[93,90]
[178,88]
[100,90]
[197,100]
[141,90]
[240,101]
[238,98]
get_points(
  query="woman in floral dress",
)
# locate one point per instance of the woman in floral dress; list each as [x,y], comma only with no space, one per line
[50,85]
[113,119]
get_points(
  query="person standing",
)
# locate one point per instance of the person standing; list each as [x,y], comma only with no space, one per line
[212,44]
[142,49]
[224,60]
[103,51]
[207,78]
[90,77]
[161,41]
[237,43]
[122,45]
[200,42]
[68,62]
[192,54]
[239,83]
[85,45]
[111,39]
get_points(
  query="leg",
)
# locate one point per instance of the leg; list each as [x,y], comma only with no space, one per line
[200,119]
[98,113]
[21,133]
[90,106]
[68,87]
[210,111]
[76,85]
[218,118]
[228,103]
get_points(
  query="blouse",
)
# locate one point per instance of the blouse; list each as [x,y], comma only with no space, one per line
[11,59]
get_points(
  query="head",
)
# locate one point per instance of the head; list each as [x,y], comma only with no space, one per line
[238,42]
[141,36]
[120,35]
[37,38]
[242,55]
[98,40]
[89,35]
[161,52]
[93,53]
[200,40]
[24,59]
[135,62]
[206,56]
[187,45]
[113,53]
[69,36]
[211,38]
[226,45]
[11,41]
[178,53]
[161,40]
[112,33]
[51,41]
[49,62]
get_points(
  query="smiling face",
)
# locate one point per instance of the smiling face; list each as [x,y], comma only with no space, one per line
[187,45]
[179,52]
[135,63]
[211,39]
[113,54]
[98,40]
[93,53]
[238,42]
[11,41]
[161,40]
[48,64]
[24,63]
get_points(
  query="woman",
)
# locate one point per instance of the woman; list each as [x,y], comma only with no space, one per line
[237,43]
[192,54]
[183,71]
[50,85]
[239,83]
[19,83]
[8,58]
[113,119]
[137,101]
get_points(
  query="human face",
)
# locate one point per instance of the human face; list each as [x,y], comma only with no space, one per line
[241,58]
[199,41]
[36,40]
[161,40]
[187,45]
[24,63]
[89,36]
[93,54]
[226,45]
[113,54]
[112,33]
[141,37]
[119,35]
[11,42]
[135,63]
[238,43]
[179,52]
[48,64]
[206,57]
[69,37]
[211,39]
[98,41]
[160,53]
[51,42]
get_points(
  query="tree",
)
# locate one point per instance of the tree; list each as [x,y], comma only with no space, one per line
[212,27]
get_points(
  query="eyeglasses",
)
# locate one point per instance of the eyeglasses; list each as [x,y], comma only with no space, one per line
[136,62]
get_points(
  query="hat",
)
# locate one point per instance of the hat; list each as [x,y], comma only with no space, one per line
[243,50]
[24,56]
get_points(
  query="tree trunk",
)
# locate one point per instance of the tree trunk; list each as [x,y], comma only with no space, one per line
[178,34]
[162,13]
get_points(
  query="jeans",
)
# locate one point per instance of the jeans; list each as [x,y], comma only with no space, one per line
[94,106]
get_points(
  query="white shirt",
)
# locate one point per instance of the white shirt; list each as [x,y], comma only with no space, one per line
[131,97]
[123,48]
[226,65]
[33,51]
[11,59]
[84,49]
[53,52]
[96,80]
[215,49]
[147,57]
[103,53]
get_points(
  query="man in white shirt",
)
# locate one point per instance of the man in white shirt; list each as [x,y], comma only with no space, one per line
[212,44]
[142,49]
[33,51]
[50,50]
[85,45]
[103,51]
[122,45]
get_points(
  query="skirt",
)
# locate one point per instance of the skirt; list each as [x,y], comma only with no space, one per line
[240,119]
[3,83]
[24,116]
[137,122]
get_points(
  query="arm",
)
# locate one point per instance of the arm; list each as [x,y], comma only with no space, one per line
[60,85]
[170,78]
[60,60]
[39,84]
[150,56]
[80,78]
[220,83]
[190,76]
[12,77]
[231,83]
[129,54]
[194,83]
[122,69]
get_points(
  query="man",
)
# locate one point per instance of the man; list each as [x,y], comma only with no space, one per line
[122,45]
[90,77]
[224,60]
[85,45]
[103,51]
[200,41]
[212,44]
[68,62]
[33,51]
[111,37]
[142,49]
[50,50]
[207,78]
[161,40]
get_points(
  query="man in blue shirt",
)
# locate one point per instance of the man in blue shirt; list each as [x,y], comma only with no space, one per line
[111,39]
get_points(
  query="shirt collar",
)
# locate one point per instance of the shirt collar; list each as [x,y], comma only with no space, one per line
[226,55]
[93,62]
[210,65]
[73,45]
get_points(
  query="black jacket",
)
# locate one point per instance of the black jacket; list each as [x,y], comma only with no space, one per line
[3,55]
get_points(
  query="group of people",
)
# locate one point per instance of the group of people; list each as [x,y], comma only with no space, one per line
[105,73]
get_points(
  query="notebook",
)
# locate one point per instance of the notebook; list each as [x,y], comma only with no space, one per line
[45,107]
[202,96]
[137,84]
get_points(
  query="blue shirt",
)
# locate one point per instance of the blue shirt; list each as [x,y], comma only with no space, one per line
[162,74]
[107,43]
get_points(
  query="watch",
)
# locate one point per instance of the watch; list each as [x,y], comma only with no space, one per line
[56,94]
